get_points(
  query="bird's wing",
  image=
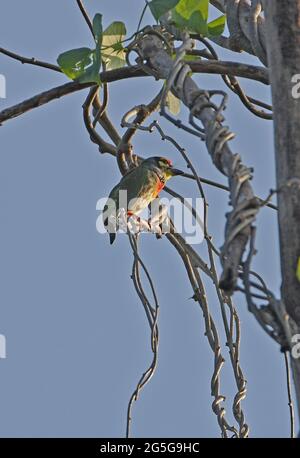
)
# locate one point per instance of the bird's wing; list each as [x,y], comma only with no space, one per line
[127,183]
[140,183]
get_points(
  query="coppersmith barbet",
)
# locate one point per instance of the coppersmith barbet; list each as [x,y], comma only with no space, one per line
[142,184]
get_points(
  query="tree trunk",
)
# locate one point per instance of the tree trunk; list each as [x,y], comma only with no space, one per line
[283,50]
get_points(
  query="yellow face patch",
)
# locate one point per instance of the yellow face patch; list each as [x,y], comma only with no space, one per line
[168,174]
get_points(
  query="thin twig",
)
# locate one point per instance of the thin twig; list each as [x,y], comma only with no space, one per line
[141,113]
[86,16]
[32,60]
[289,392]
[104,147]
[105,121]
[66,89]
[152,316]
[104,104]
[141,18]
[233,84]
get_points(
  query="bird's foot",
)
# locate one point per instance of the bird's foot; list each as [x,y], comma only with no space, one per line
[155,227]
[136,224]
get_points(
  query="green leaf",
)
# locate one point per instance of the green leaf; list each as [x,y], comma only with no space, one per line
[160,7]
[197,23]
[74,62]
[173,103]
[91,74]
[83,64]
[97,27]
[114,33]
[217,26]
[185,8]
[192,15]
[113,62]
[179,21]
[298,270]
[112,49]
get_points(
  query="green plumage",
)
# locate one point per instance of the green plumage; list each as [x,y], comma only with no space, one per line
[142,184]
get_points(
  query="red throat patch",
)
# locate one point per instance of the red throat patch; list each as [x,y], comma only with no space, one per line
[159,186]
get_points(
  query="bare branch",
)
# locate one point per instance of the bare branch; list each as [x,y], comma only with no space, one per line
[193,262]
[246,27]
[85,15]
[141,112]
[28,60]
[231,68]
[215,67]
[104,147]
[245,205]
[289,392]
[65,89]
[105,122]
[247,71]
[152,316]
[233,84]
[212,337]
[282,25]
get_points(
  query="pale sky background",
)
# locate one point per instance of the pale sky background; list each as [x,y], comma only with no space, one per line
[77,336]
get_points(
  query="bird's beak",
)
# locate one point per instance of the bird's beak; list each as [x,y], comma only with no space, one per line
[175,172]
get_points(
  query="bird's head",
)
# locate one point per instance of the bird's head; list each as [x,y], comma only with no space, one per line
[163,166]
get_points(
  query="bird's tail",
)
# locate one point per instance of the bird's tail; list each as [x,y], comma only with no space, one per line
[111,230]
[112,237]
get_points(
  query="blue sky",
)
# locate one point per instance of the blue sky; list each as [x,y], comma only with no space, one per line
[77,337]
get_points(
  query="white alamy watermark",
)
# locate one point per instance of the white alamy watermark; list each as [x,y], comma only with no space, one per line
[2,87]
[134,216]
[296,88]
[295,351]
[2,346]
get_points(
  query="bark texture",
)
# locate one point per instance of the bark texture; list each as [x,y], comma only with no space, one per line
[283,50]
[283,45]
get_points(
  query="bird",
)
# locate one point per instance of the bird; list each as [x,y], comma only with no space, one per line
[142,184]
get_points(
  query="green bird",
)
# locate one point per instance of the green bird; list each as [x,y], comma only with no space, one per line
[142,185]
